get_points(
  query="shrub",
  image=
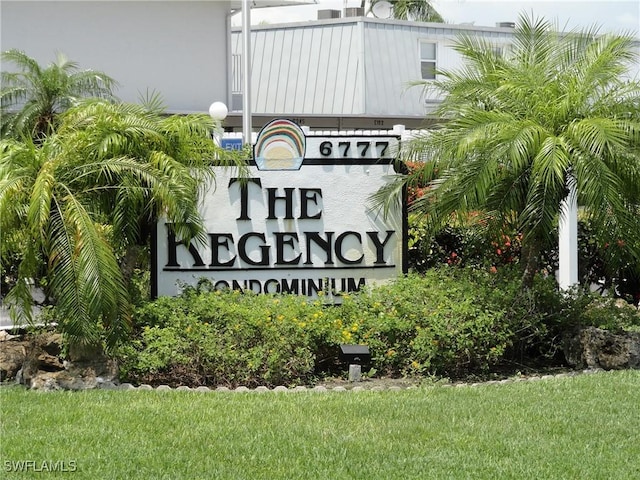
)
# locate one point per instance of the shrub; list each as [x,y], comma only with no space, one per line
[446,322]
[450,321]
[227,338]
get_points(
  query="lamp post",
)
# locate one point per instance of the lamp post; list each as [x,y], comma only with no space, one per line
[218,112]
[246,72]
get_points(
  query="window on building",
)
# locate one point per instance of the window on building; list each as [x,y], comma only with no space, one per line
[428,60]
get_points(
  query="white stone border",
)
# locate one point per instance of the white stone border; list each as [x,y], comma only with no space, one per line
[355,388]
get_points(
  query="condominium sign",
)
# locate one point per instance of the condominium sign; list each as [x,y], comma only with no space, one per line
[302,223]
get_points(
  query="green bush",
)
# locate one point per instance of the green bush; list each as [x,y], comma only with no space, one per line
[449,321]
[227,338]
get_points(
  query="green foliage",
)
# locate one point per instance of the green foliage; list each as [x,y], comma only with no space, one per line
[603,259]
[450,321]
[445,322]
[555,107]
[32,97]
[581,426]
[229,338]
[414,10]
[76,205]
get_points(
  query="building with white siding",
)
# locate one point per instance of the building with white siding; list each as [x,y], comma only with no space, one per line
[348,73]
[178,48]
[344,73]
[353,72]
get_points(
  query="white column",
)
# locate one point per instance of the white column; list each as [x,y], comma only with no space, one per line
[568,238]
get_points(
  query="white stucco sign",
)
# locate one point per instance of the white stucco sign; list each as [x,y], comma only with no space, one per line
[301,224]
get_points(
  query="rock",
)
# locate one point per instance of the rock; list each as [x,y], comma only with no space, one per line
[594,348]
[12,356]
[36,361]
[5,336]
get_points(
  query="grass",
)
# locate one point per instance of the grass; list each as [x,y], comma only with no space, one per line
[583,427]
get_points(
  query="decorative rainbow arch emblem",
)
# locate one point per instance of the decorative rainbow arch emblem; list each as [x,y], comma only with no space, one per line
[280,146]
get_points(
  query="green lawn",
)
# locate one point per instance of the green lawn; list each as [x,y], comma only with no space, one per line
[582,427]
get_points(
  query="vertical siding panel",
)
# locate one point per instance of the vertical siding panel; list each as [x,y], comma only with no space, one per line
[346,76]
[259,53]
[313,84]
[293,47]
[303,71]
[276,82]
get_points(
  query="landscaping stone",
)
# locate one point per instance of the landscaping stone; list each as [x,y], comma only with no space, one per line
[281,388]
[107,386]
[262,389]
[183,388]
[161,388]
[202,389]
[12,357]
[36,362]
[144,386]
[595,348]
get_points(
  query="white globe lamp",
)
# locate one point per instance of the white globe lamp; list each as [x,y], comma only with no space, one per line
[218,111]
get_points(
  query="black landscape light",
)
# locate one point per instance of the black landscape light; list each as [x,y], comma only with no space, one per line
[355,356]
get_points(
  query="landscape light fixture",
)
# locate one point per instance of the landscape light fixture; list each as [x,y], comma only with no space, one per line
[355,356]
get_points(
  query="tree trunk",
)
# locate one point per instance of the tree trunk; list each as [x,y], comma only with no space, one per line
[530,257]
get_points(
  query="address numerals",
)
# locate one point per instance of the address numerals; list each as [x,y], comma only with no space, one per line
[354,149]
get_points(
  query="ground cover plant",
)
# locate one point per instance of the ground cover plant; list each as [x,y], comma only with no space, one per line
[572,427]
[448,322]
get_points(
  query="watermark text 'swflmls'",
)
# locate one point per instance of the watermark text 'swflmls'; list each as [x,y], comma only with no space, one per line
[40,465]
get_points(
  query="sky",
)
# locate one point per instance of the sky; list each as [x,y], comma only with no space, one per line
[619,16]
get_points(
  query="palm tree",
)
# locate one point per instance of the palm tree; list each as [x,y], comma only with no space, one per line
[31,98]
[517,126]
[94,187]
[416,10]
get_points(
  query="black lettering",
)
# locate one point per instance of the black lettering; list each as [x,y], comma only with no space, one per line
[309,195]
[264,249]
[244,195]
[220,240]
[352,286]
[172,254]
[293,287]
[269,283]
[281,242]
[314,288]
[322,243]
[379,245]
[288,199]
[338,248]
